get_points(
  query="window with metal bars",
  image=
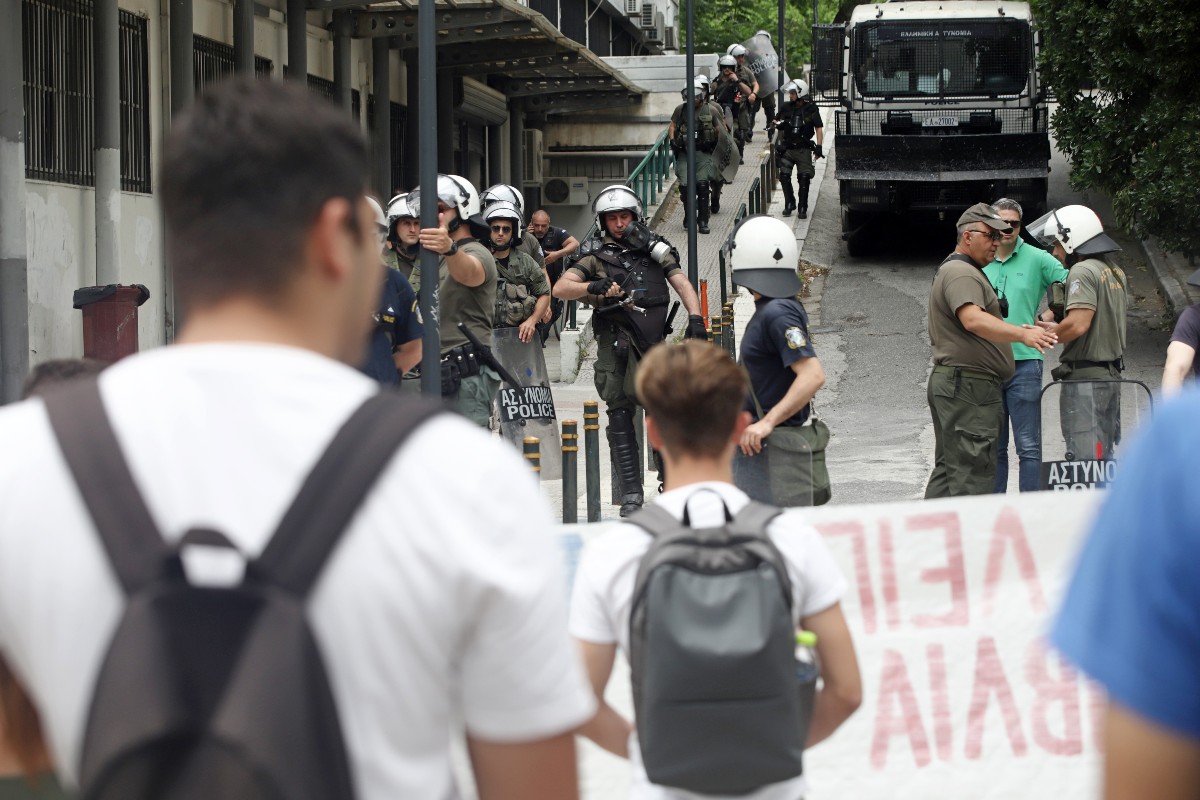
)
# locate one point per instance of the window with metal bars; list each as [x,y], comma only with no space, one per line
[60,94]
[213,60]
[942,58]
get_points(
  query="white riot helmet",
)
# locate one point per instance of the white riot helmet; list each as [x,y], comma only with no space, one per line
[398,208]
[763,256]
[797,86]
[727,61]
[454,191]
[736,50]
[1077,228]
[696,88]
[503,192]
[702,81]
[503,209]
[617,197]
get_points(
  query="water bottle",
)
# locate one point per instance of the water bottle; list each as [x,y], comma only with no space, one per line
[807,672]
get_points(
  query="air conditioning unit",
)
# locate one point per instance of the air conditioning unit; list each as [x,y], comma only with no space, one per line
[647,16]
[671,38]
[633,8]
[532,174]
[565,192]
[655,35]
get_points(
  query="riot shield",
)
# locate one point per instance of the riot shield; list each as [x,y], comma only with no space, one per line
[780,474]
[527,410]
[1084,423]
[726,154]
[763,61]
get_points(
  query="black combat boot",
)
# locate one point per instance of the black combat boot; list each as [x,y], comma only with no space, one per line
[802,195]
[683,198]
[702,207]
[789,197]
[623,450]
[714,190]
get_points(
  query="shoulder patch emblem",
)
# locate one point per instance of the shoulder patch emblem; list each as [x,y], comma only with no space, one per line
[795,337]
[1074,286]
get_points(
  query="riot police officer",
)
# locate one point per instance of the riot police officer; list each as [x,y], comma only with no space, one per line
[718,183]
[767,99]
[798,121]
[707,136]
[624,272]
[732,92]
[403,228]
[746,76]
[466,293]
[522,291]
[1092,330]
[527,243]
[395,345]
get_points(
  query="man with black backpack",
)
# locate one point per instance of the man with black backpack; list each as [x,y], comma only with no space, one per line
[719,585]
[223,574]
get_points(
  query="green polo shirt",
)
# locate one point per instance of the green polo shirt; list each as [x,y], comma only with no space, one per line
[1023,278]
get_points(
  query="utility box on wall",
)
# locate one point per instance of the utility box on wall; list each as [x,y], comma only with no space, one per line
[110,319]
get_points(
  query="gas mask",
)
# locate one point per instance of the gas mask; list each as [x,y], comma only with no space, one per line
[639,237]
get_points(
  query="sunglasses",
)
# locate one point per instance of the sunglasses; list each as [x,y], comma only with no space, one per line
[1016,223]
[502,228]
[993,235]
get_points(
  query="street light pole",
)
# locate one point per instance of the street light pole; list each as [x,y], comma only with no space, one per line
[690,116]
[431,345]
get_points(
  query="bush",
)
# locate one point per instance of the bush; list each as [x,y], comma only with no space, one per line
[1133,136]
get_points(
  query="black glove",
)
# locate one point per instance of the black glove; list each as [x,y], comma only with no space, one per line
[817,151]
[695,328]
[600,285]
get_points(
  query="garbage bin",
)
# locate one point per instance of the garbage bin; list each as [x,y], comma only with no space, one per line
[110,319]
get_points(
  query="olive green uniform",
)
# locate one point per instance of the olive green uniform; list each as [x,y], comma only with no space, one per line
[530,246]
[1091,412]
[708,132]
[725,93]
[395,260]
[475,306]
[520,283]
[616,364]
[964,389]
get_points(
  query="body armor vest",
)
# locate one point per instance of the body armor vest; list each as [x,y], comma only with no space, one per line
[705,124]
[798,124]
[644,281]
[514,302]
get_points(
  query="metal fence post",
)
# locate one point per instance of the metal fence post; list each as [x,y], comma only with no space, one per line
[591,443]
[714,332]
[721,271]
[727,326]
[570,471]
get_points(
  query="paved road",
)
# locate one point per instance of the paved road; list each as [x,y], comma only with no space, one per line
[873,341]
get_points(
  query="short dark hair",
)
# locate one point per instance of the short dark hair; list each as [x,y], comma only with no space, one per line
[694,391]
[49,374]
[244,173]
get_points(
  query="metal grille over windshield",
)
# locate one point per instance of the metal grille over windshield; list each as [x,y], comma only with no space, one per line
[949,58]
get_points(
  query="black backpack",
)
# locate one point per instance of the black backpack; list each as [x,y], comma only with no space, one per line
[218,692]
[712,649]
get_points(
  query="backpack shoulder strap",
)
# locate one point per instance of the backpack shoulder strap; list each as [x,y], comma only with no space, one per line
[752,521]
[336,487]
[132,540]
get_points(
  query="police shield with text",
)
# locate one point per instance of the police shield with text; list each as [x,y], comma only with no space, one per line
[624,273]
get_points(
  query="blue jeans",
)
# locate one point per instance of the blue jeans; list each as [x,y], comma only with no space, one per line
[1022,405]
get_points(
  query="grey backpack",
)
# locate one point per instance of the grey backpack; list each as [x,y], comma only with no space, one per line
[219,692]
[712,647]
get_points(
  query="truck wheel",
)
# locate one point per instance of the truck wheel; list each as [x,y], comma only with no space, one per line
[852,221]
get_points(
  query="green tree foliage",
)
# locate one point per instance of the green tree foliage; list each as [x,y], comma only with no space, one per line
[720,23]
[1134,136]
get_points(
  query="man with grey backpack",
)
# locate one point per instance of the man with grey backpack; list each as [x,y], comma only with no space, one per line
[721,707]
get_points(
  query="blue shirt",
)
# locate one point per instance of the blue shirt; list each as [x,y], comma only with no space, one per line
[776,338]
[398,321]
[1131,616]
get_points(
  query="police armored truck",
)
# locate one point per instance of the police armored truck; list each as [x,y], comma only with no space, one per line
[940,107]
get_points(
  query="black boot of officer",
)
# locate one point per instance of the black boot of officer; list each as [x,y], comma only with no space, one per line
[623,449]
[802,195]
[702,206]
[714,190]
[789,197]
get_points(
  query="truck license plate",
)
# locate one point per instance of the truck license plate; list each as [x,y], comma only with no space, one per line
[940,122]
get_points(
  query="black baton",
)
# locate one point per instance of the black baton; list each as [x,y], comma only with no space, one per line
[485,355]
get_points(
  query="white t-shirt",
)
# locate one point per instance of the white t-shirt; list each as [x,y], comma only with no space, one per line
[442,606]
[603,596]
